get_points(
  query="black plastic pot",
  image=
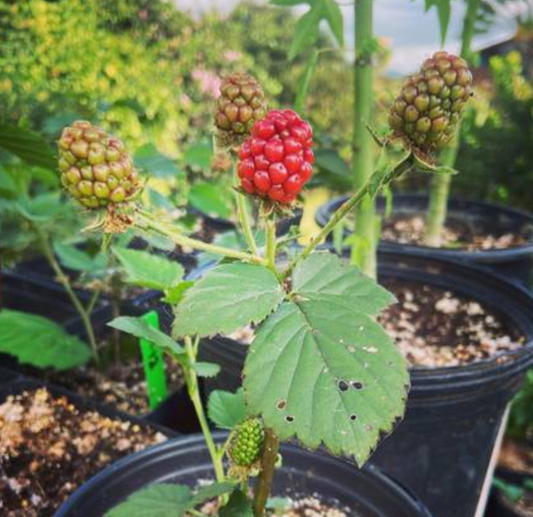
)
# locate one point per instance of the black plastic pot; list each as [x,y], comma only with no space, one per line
[499,505]
[442,450]
[515,263]
[368,492]
[37,295]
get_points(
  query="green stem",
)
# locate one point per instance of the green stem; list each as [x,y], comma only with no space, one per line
[191,379]
[145,221]
[363,160]
[339,214]
[271,244]
[64,280]
[440,187]
[268,466]
[244,220]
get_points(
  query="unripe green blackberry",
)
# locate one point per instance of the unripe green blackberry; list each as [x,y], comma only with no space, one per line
[431,102]
[95,167]
[240,105]
[247,443]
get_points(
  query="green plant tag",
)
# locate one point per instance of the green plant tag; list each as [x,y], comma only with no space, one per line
[154,366]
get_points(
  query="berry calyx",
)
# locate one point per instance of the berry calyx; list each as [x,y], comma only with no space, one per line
[95,167]
[240,105]
[431,102]
[276,161]
[247,443]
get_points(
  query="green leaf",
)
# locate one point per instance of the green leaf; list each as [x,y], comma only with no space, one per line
[175,294]
[167,500]
[151,160]
[322,369]
[288,3]
[305,32]
[43,208]
[27,146]
[333,15]
[78,260]
[206,369]
[199,154]
[226,409]
[444,11]
[138,327]
[148,270]
[227,298]
[238,506]
[303,88]
[40,342]
[325,276]
[207,198]
[336,170]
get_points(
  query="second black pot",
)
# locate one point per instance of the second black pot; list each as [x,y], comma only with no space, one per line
[515,263]
[367,493]
[443,448]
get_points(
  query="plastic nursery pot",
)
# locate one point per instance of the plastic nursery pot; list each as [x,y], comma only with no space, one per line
[367,492]
[38,295]
[499,505]
[443,448]
[515,262]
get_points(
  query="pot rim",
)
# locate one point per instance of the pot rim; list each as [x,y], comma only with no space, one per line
[490,255]
[374,476]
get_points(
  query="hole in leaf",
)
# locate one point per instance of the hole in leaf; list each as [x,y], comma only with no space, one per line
[353,418]
[369,427]
[351,349]
[356,385]
[343,385]
[289,419]
[282,404]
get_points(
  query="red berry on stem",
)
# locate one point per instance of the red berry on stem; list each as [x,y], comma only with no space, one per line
[276,161]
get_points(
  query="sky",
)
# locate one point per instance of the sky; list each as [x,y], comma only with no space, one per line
[412,34]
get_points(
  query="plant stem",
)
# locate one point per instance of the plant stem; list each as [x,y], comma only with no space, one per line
[363,160]
[191,380]
[440,186]
[339,214]
[145,221]
[271,243]
[64,280]
[244,220]
[268,466]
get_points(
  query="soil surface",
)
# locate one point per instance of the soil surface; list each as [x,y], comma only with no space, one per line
[121,386]
[48,449]
[434,327]
[524,506]
[410,229]
[310,506]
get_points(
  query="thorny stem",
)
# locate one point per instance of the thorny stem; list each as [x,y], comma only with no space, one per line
[64,280]
[244,220]
[191,379]
[326,230]
[146,221]
[268,465]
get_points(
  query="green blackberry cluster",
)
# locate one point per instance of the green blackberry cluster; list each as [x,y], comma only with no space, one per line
[431,102]
[247,443]
[95,167]
[240,105]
